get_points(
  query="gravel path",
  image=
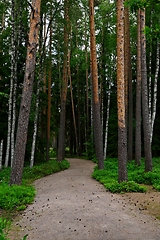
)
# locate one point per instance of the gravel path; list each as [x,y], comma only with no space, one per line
[70,205]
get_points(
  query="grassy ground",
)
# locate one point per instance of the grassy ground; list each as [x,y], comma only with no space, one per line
[16,198]
[137,177]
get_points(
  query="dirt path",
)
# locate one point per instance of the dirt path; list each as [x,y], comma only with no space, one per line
[70,205]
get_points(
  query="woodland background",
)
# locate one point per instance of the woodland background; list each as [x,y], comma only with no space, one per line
[63,57]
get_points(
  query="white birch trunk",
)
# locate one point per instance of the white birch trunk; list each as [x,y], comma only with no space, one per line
[155,90]
[1,153]
[149,87]
[107,119]
[150,81]
[11,89]
[35,128]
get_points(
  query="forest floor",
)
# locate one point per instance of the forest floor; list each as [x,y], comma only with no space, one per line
[71,205]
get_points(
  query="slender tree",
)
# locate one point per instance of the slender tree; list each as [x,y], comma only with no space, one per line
[128,82]
[21,137]
[122,138]
[61,139]
[138,96]
[145,110]
[98,140]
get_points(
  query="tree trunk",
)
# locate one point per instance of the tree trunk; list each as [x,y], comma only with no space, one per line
[21,137]
[107,119]
[138,97]
[128,85]
[49,98]
[1,154]
[122,138]
[12,79]
[155,90]
[61,139]
[145,111]
[98,139]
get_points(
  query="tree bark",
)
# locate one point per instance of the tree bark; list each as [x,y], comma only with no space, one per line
[128,84]
[122,138]
[21,137]
[145,111]
[138,97]
[61,139]
[155,89]
[98,139]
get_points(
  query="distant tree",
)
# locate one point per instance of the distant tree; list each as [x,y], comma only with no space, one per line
[22,129]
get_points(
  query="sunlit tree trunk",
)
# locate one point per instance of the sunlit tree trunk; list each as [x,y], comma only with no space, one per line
[138,97]
[145,111]
[22,129]
[98,139]
[122,138]
[61,138]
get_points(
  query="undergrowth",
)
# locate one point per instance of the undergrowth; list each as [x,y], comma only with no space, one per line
[136,176]
[16,198]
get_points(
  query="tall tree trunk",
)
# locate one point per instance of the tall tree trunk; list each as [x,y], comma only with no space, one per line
[122,138]
[72,102]
[49,98]
[98,139]
[128,84]
[21,137]
[138,97]
[12,79]
[155,89]
[61,139]
[145,111]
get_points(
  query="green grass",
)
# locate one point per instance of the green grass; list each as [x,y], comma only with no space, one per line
[136,176]
[18,197]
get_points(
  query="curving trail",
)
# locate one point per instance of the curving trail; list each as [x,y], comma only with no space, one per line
[70,205]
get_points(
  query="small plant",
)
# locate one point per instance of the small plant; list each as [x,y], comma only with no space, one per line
[4,228]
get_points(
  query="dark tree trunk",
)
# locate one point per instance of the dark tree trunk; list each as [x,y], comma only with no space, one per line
[21,137]
[61,139]
[145,109]
[138,98]
[98,139]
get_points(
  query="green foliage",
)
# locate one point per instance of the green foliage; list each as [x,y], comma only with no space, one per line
[18,197]
[136,175]
[4,228]
[14,197]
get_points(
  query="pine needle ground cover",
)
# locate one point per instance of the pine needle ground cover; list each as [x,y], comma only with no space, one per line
[137,177]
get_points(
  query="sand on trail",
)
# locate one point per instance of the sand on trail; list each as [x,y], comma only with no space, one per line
[71,205]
